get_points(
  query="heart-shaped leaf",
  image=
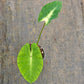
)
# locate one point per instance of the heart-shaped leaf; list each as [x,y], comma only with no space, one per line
[50,11]
[30,62]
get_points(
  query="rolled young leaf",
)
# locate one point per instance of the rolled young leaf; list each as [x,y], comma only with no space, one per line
[50,11]
[30,62]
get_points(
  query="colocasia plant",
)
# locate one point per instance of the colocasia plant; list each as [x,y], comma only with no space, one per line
[30,57]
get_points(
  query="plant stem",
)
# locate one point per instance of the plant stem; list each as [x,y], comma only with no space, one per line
[40,33]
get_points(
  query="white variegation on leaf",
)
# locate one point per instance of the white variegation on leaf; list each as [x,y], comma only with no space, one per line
[46,19]
[50,11]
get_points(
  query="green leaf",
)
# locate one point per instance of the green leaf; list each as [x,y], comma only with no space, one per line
[30,62]
[50,11]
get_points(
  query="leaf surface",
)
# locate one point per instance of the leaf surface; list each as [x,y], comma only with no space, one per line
[30,62]
[50,11]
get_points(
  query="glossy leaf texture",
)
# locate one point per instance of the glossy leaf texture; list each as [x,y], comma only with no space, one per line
[30,62]
[50,11]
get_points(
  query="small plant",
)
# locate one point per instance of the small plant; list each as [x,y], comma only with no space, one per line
[30,57]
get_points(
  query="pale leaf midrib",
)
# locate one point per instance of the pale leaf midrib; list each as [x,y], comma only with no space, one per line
[46,19]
